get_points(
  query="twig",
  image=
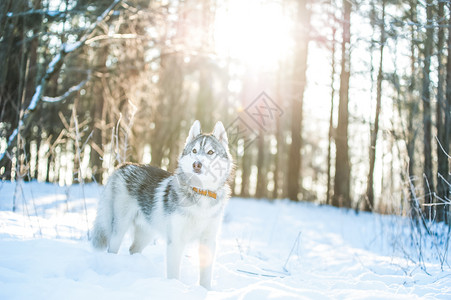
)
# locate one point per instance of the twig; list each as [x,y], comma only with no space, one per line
[258,274]
[240,249]
[296,242]
[441,147]
[69,92]
[78,150]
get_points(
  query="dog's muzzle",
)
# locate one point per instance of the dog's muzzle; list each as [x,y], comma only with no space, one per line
[197,167]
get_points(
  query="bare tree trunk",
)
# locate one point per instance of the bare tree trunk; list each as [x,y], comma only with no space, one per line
[277,157]
[427,120]
[204,96]
[412,112]
[52,113]
[447,130]
[245,173]
[171,85]
[97,147]
[369,203]
[31,82]
[442,159]
[261,174]
[97,139]
[33,57]
[342,165]
[280,190]
[299,82]
[204,103]
[49,165]
[12,67]
[331,119]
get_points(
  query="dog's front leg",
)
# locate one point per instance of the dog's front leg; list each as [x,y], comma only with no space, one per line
[173,258]
[207,249]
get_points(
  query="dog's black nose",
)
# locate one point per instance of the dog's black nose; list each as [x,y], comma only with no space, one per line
[197,166]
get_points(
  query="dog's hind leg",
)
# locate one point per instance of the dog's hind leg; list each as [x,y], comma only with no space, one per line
[141,239]
[120,224]
[116,238]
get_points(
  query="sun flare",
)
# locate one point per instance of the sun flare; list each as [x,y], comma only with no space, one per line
[254,32]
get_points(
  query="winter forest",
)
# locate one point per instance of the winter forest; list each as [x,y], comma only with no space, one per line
[344,103]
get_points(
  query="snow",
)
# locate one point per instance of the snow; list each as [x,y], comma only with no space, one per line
[267,250]
[35,99]
[71,47]
[71,90]
[54,13]
[52,65]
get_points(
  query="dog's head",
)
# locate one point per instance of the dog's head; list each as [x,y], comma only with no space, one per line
[206,160]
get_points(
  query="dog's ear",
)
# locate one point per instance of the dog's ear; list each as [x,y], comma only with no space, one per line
[220,133]
[193,132]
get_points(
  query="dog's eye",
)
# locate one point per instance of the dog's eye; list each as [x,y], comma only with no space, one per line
[210,152]
[194,151]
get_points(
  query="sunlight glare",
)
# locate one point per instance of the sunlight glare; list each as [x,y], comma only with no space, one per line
[253,32]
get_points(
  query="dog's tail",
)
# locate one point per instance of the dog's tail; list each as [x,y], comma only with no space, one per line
[103,225]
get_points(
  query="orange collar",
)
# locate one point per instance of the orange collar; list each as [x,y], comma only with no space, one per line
[205,192]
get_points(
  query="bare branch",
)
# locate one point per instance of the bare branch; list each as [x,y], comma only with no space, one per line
[69,92]
[114,36]
[47,13]
[441,147]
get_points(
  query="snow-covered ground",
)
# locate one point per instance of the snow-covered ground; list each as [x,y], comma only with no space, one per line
[267,250]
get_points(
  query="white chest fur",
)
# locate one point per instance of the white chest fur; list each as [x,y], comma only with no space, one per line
[194,222]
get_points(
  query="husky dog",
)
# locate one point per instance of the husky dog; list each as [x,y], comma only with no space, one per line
[182,207]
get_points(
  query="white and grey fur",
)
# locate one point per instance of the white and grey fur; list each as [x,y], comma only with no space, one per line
[155,201]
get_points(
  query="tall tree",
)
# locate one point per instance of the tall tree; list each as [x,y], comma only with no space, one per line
[299,83]
[204,103]
[170,85]
[412,111]
[278,137]
[442,158]
[331,117]
[447,130]
[369,203]
[261,189]
[427,120]
[97,141]
[13,55]
[342,180]
[245,172]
